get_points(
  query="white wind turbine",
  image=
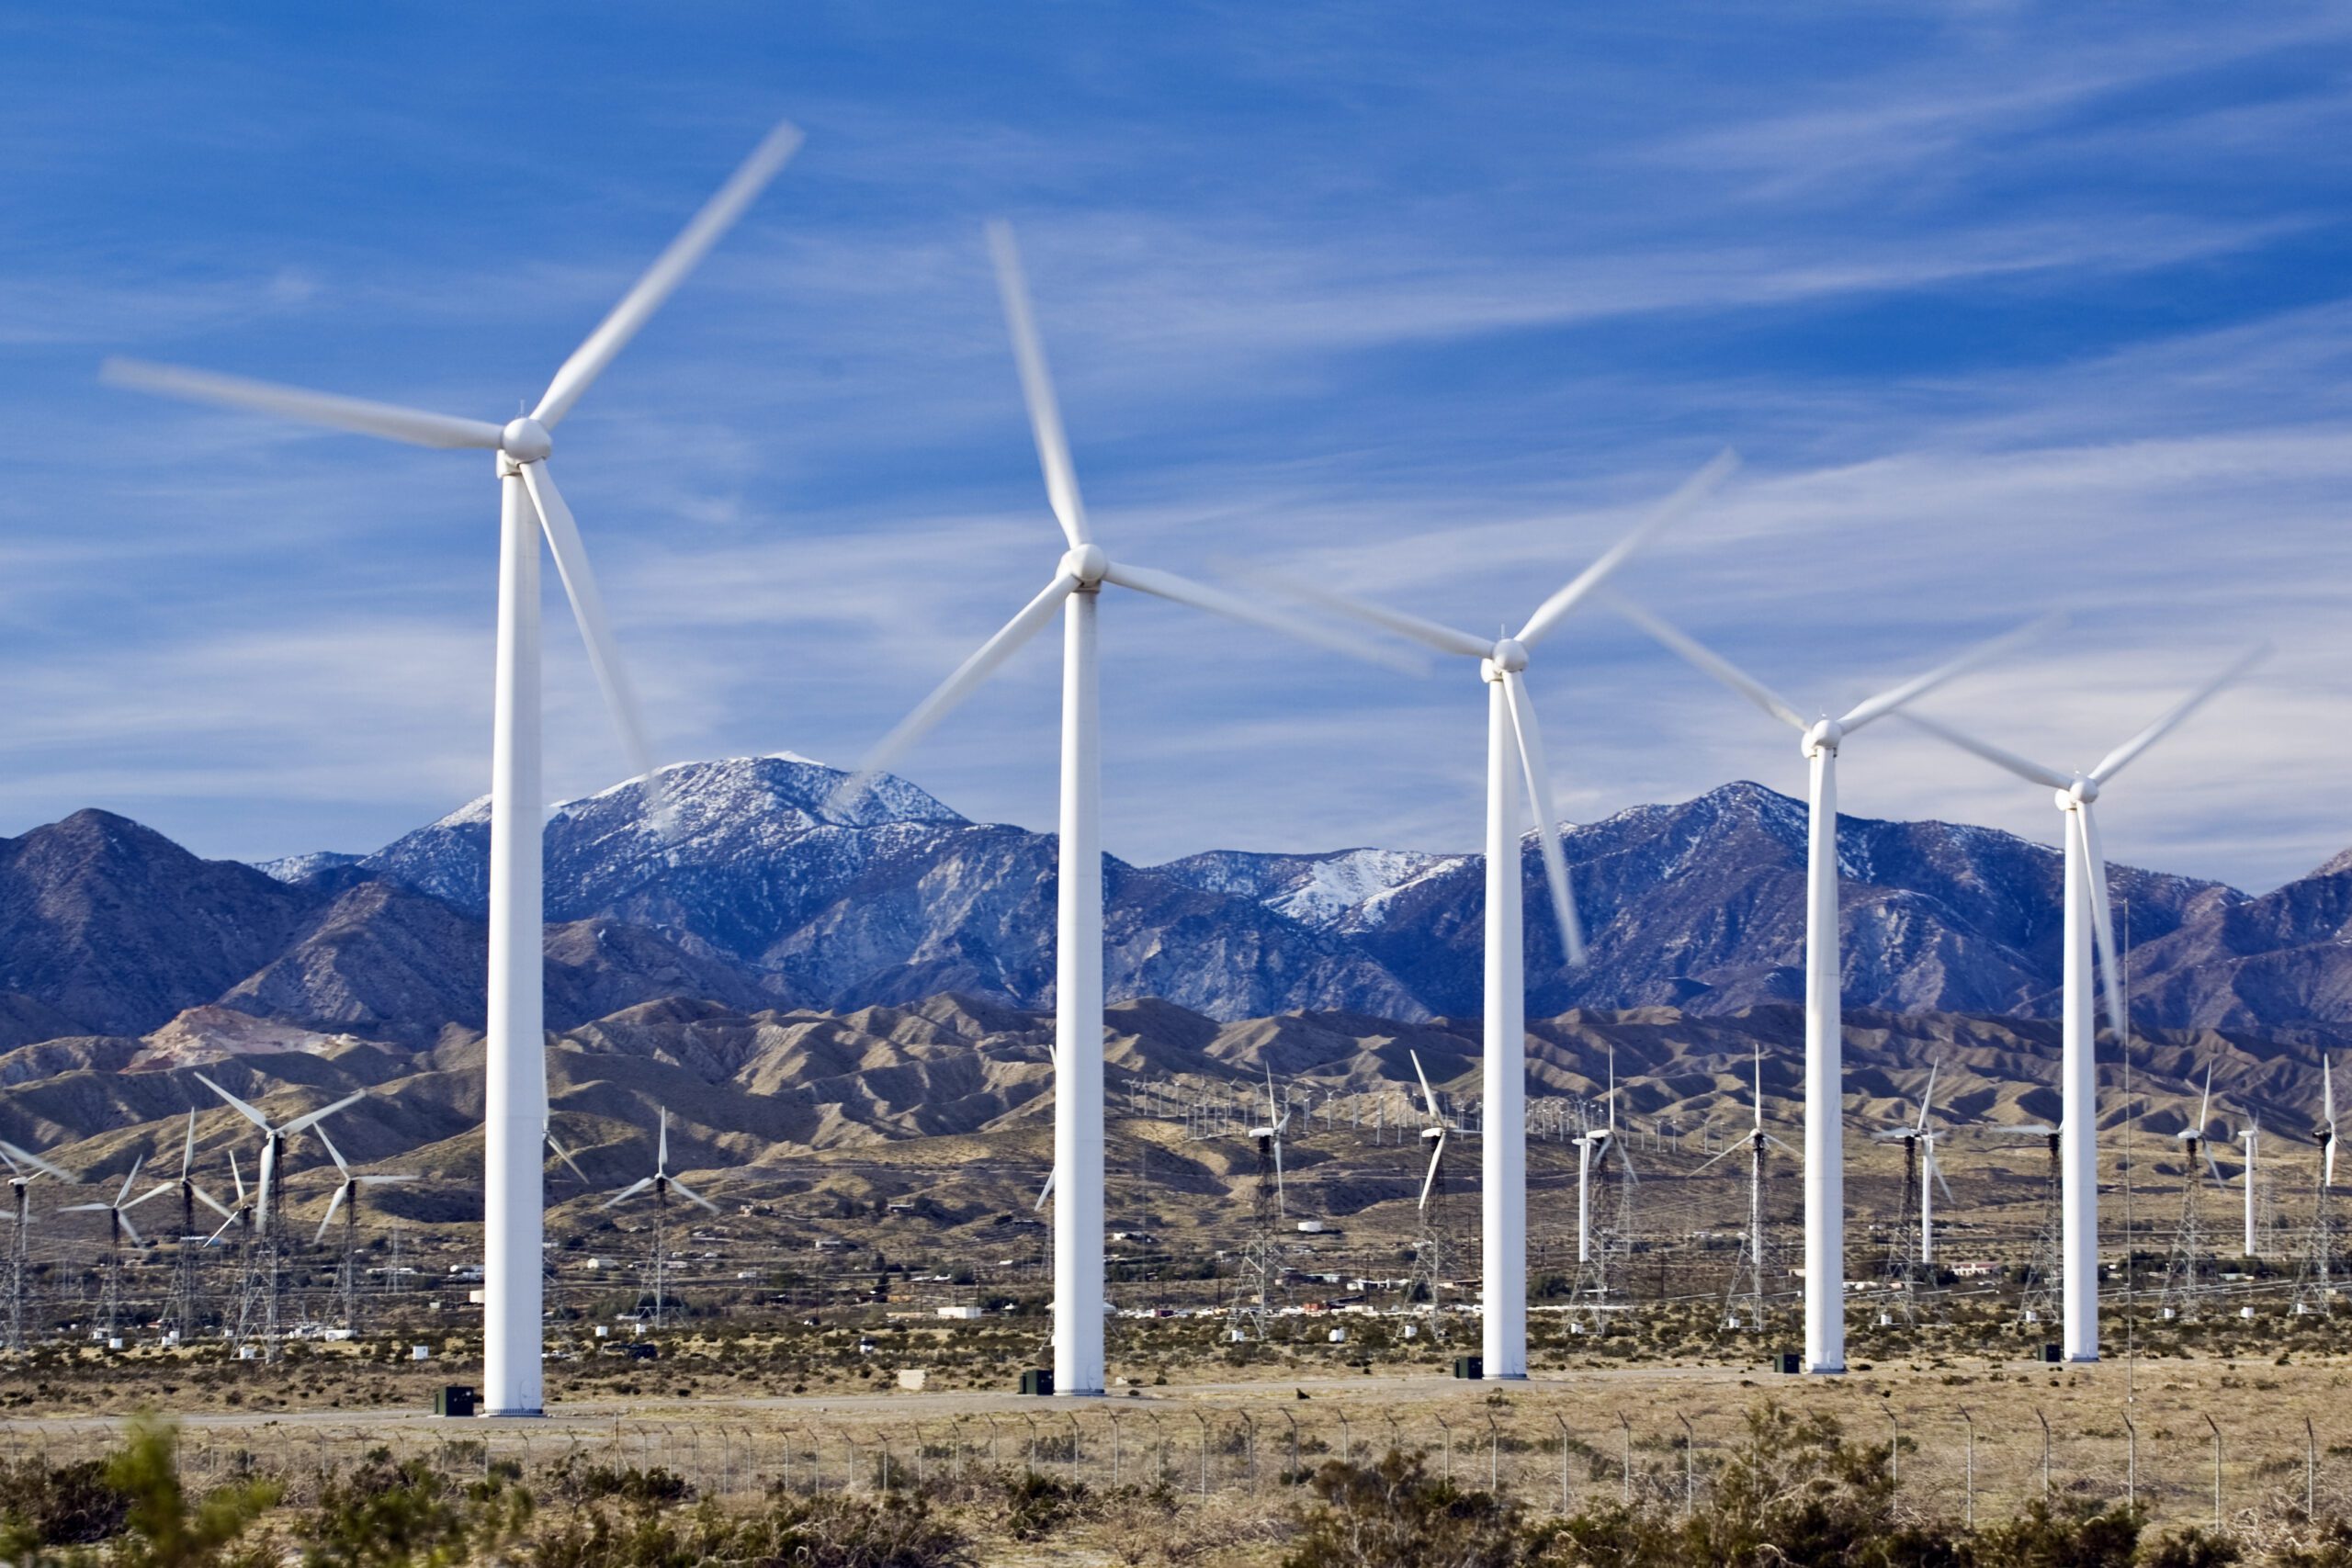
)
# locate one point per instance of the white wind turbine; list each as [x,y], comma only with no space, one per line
[512,1189]
[2250,1136]
[273,1147]
[1595,1145]
[2085,896]
[661,1184]
[1078,578]
[1515,763]
[1919,1144]
[1269,1139]
[1825,1132]
[348,1190]
[1756,1143]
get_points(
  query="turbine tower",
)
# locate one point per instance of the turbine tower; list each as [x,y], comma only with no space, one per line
[1515,763]
[1602,1153]
[1753,1259]
[190,1241]
[2086,896]
[2314,1281]
[346,1198]
[2183,1290]
[663,1184]
[1911,1255]
[1075,591]
[2041,1296]
[117,1214]
[516,1101]
[2250,1136]
[1261,1258]
[1824,1133]
[1431,1264]
[24,1169]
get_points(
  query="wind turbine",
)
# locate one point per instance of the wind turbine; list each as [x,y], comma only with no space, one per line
[2250,1136]
[1515,763]
[1920,1171]
[1078,578]
[273,1147]
[1268,1138]
[2085,896]
[349,1189]
[1825,1132]
[1437,1131]
[24,1169]
[241,1215]
[661,1184]
[117,1214]
[530,503]
[191,1194]
[2314,1286]
[1755,1143]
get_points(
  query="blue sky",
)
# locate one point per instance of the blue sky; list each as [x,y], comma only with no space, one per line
[2007,308]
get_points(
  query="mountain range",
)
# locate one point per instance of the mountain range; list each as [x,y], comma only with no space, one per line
[765,893]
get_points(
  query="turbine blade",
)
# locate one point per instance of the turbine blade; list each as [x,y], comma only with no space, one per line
[1674,640]
[631,1190]
[26,1158]
[84,1208]
[129,1177]
[565,1155]
[1685,500]
[1037,388]
[1429,1097]
[1233,606]
[968,679]
[210,1203]
[359,415]
[2327,1089]
[2033,773]
[215,1235]
[1044,1193]
[129,1229]
[1282,1200]
[1537,777]
[313,1118]
[2103,919]
[247,1112]
[1739,1147]
[152,1193]
[1983,653]
[2205,1106]
[1430,634]
[333,1153]
[1929,1099]
[686,1191]
[662,1148]
[236,1176]
[596,631]
[669,269]
[187,1153]
[333,1204]
[1437,1153]
[1935,1169]
[2113,762]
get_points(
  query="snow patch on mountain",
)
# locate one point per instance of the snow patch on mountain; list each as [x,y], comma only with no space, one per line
[294,868]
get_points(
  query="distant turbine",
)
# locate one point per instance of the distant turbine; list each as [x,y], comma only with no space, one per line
[2086,895]
[1075,590]
[1515,763]
[1825,1129]
[272,1146]
[514,1188]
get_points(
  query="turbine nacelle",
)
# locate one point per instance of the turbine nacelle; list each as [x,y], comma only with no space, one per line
[1088,563]
[1824,736]
[2081,793]
[1508,658]
[527,441]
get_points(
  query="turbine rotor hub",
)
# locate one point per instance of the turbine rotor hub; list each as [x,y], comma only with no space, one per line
[526,440]
[1510,656]
[2082,792]
[1824,736]
[1088,563]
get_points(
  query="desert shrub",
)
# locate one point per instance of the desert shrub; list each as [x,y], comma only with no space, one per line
[828,1531]
[1393,1514]
[62,1504]
[2043,1537]
[1035,1506]
[385,1514]
[156,1527]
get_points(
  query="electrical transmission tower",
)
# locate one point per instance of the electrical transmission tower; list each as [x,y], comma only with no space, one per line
[2185,1287]
[1750,1289]
[24,1169]
[1433,1260]
[1261,1255]
[2041,1296]
[1603,1248]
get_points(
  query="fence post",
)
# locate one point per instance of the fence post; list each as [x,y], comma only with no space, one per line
[1250,1440]
[1562,1422]
[1447,1428]
[1893,1452]
[2311,1474]
[2217,1470]
[1293,1445]
[2045,1451]
[1493,1455]
[1347,1443]
[1115,1448]
[1205,1454]
[2131,1462]
[1029,1459]
[1970,1503]
[1689,1472]
[1627,1427]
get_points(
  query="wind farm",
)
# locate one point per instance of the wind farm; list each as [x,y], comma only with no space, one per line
[1196,1092]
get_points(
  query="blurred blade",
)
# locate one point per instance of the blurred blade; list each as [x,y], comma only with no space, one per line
[187,1153]
[84,1208]
[631,1190]
[1272,1111]
[968,679]
[24,1157]
[215,1235]
[129,1177]
[247,1112]
[152,1193]
[1936,1170]
[2214,1166]
[324,1111]
[565,1155]
[1430,634]
[210,1203]
[1780,1145]
[236,1176]
[1537,777]
[1038,389]
[687,1192]
[1043,1193]
[1437,1153]
[669,269]
[1429,1097]
[2113,762]
[390,1178]
[2103,920]
[661,1149]
[1217,601]
[2327,1089]
[1929,1099]
[2205,1106]
[1708,661]
[596,631]
[333,1153]
[359,415]
[1686,499]
[1739,1147]
[2033,773]
[1281,1201]
[129,1229]
[340,1191]
[1919,686]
